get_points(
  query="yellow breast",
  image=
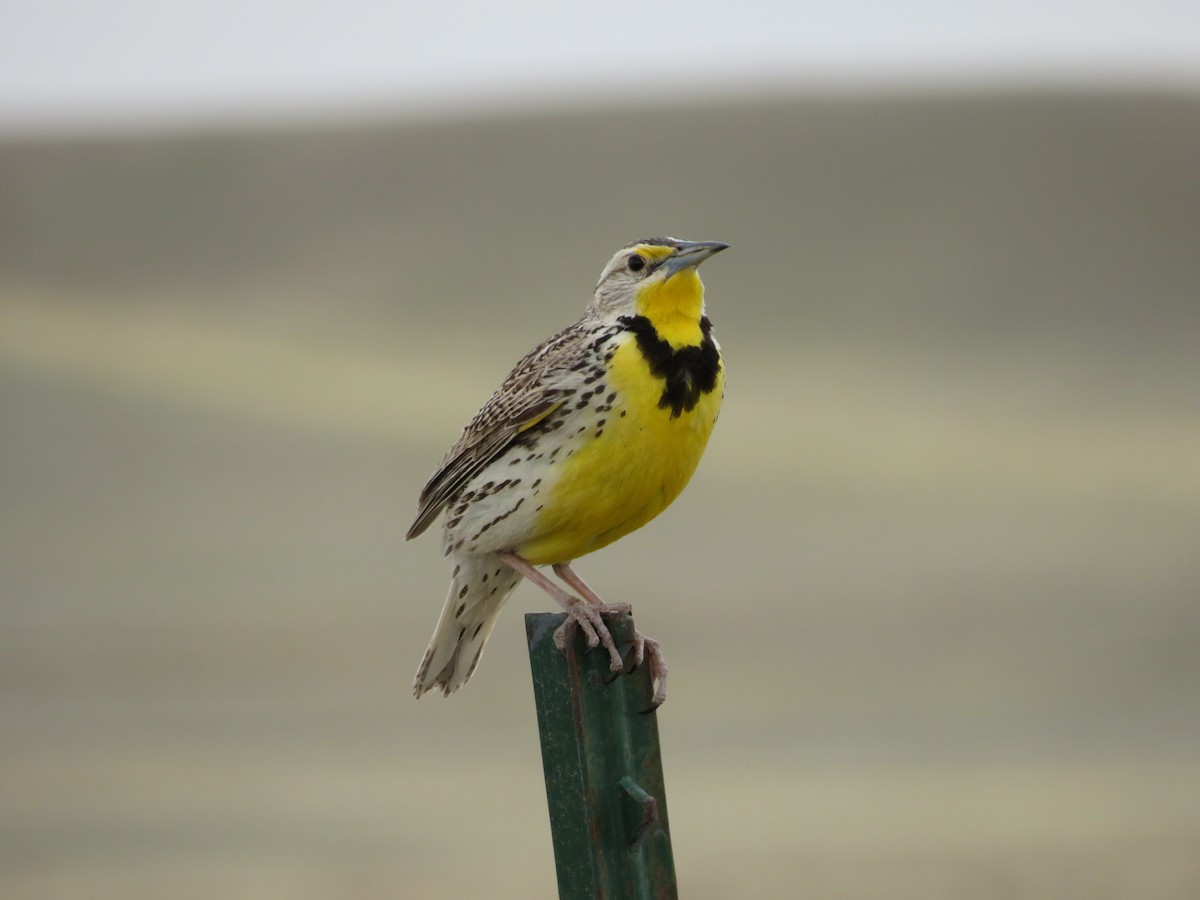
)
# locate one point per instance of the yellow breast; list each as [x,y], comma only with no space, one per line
[625,471]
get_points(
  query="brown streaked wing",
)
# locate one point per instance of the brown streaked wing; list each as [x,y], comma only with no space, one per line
[528,395]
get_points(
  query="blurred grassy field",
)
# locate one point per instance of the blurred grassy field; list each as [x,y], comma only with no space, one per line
[932,604]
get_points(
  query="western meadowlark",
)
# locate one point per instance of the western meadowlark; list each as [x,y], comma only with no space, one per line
[591,436]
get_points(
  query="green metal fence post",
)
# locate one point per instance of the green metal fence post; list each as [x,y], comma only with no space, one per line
[603,765]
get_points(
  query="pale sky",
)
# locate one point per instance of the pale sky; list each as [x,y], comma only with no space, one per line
[84,63]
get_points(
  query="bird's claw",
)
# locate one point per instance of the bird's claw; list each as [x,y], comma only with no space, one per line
[650,650]
[590,619]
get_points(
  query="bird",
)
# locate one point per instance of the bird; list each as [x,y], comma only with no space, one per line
[593,434]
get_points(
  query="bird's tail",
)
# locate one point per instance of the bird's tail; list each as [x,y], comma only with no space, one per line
[478,588]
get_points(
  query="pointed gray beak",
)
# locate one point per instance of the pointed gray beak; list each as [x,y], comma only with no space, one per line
[690,254]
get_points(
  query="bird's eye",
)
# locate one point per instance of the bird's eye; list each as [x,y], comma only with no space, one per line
[636,263]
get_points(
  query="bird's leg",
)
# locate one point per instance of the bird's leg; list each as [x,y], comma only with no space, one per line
[569,575]
[587,616]
[643,647]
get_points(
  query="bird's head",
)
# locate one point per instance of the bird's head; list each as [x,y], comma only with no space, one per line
[654,275]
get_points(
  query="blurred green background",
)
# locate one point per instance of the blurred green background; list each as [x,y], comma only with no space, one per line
[930,604]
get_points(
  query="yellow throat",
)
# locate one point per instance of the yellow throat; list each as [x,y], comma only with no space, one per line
[674,307]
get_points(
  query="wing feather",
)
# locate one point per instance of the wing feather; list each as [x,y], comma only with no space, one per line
[530,393]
